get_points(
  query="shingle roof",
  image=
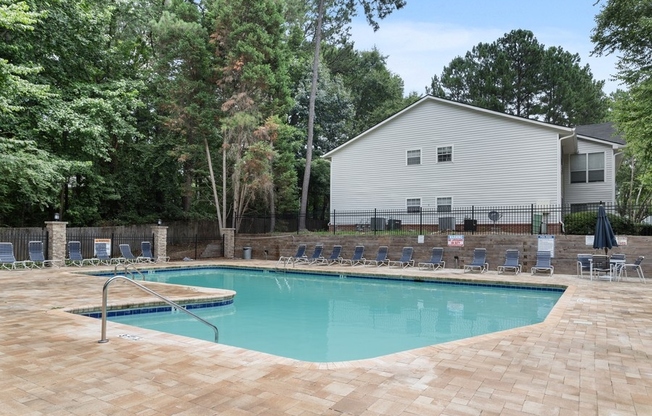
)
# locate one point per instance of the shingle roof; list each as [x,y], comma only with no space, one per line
[602,131]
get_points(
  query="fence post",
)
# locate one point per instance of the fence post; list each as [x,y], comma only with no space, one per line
[160,237]
[532,219]
[228,245]
[420,221]
[334,222]
[374,223]
[472,218]
[56,245]
[112,244]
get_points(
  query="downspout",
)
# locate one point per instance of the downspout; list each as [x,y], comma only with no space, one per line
[561,217]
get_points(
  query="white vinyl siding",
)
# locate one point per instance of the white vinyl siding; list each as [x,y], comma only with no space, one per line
[588,191]
[498,160]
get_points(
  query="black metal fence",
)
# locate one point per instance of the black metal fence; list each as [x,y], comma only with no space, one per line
[113,240]
[20,238]
[524,219]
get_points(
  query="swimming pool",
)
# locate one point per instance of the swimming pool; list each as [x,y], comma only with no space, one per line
[323,318]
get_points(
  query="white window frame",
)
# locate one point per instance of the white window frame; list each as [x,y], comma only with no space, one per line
[408,157]
[444,207]
[410,205]
[445,154]
[586,170]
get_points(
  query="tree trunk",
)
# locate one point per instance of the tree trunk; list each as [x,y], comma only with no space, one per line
[214,186]
[311,119]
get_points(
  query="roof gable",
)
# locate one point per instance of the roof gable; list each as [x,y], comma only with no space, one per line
[464,107]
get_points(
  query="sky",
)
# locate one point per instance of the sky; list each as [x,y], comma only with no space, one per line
[423,37]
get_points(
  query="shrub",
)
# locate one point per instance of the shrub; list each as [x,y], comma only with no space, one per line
[583,223]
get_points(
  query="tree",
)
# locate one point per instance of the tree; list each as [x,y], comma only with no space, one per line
[625,27]
[252,78]
[372,9]
[517,75]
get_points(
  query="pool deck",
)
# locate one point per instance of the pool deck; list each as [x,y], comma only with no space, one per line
[591,356]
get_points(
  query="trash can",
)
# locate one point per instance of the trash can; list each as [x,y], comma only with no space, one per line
[246,253]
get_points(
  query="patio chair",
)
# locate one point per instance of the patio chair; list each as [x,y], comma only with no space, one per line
[617,261]
[584,265]
[436,260]
[335,257]
[511,262]
[600,267]
[146,255]
[405,260]
[37,257]
[544,263]
[301,252]
[635,266]
[479,261]
[357,258]
[75,257]
[7,259]
[314,257]
[126,256]
[103,256]
[381,258]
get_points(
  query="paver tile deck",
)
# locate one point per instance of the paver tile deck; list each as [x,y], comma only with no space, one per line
[592,355]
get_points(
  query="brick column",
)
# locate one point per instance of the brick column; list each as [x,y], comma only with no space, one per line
[56,240]
[229,242]
[160,242]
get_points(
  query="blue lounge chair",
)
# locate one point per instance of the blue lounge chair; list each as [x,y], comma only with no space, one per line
[75,257]
[102,254]
[357,258]
[37,256]
[146,255]
[405,260]
[126,256]
[301,252]
[544,263]
[436,260]
[7,259]
[335,257]
[479,261]
[314,257]
[511,262]
[381,258]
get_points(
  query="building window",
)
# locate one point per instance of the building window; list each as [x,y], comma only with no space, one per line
[591,206]
[587,167]
[414,157]
[413,204]
[445,204]
[445,154]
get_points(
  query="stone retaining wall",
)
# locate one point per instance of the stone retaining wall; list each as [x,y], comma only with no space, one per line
[567,247]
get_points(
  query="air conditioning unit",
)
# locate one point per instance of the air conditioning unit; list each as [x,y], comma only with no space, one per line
[446,223]
[377,224]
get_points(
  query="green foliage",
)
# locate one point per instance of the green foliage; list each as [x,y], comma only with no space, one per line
[583,223]
[625,27]
[518,75]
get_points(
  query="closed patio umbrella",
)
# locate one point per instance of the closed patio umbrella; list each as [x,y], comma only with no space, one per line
[604,235]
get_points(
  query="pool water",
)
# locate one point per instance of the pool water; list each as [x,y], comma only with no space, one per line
[323,318]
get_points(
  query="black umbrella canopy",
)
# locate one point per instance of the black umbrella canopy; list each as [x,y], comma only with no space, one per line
[604,235]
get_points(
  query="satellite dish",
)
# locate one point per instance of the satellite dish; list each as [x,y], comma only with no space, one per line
[494,216]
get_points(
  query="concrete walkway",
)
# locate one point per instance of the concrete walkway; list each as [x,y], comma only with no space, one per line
[592,356]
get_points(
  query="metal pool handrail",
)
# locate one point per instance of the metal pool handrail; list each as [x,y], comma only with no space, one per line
[105,296]
[126,267]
